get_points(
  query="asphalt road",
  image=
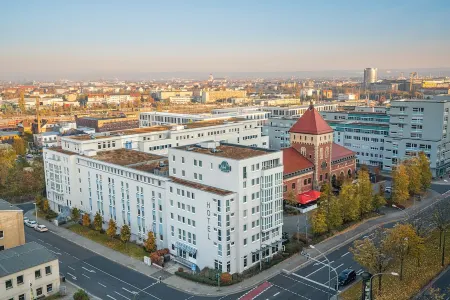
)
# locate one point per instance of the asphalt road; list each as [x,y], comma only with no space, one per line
[443,284]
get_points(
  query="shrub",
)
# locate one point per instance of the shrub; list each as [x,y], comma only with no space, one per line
[154,257]
[50,215]
[86,220]
[225,278]
[81,295]
[294,247]
[301,237]
[180,269]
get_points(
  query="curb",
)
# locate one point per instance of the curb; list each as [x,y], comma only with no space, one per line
[426,287]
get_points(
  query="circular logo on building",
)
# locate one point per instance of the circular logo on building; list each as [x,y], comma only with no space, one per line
[225,167]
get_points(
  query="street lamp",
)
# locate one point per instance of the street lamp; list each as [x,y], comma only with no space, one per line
[379,274]
[403,210]
[35,209]
[329,272]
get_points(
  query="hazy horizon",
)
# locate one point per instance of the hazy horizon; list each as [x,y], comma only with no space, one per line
[87,39]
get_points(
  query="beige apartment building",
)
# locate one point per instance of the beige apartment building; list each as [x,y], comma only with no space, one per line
[213,96]
[11,226]
[28,272]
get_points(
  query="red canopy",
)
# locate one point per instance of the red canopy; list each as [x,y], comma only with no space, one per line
[307,197]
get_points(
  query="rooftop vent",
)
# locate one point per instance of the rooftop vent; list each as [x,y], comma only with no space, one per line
[162,164]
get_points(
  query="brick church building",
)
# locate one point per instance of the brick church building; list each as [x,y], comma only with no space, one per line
[313,158]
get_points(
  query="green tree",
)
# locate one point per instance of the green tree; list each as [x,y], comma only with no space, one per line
[349,202]
[125,233]
[150,244]
[112,228]
[19,146]
[425,172]
[319,221]
[75,214]
[373,255]
[334,218]
[39,200]
[400,184]
[401,241]
[7,158]
[364,188]
[80,295]
[413,171]
[86,220]
[98,221]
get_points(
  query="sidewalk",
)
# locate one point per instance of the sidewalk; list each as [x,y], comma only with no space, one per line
[291,264]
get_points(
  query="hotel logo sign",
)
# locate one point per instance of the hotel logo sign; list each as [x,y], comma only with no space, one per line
[225,167]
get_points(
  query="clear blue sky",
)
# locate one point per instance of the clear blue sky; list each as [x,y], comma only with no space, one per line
[108,36]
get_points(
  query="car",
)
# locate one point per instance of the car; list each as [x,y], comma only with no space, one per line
[346,276]
[31,223]
[388,189]
[25,220]
[41,228]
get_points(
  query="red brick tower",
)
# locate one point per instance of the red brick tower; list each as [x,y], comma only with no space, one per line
[312,137]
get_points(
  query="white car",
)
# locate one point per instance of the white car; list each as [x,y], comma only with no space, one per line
[25,220]
[31,223]
[388,189]
[41,228]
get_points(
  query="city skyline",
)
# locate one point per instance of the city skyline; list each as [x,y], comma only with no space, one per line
[84,40]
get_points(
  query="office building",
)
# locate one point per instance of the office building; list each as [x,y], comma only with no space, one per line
[104,124]
[28,272]
[370,76]
[210,96]
[11,226]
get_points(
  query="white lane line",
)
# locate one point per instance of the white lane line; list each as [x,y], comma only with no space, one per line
[319,269]
[345,254]
[318,283]
[75,257]
[276,294]
[40,240]
[111,297]
[131,292]
[189,297]
[57,253]
[71,268]
[73,276]
[86,269]
[49,244]
[67,253]
[101,284]
[280,287]
[86,276]
[339,266]
[120,280]
[56,248]
[122,295]
[305,283]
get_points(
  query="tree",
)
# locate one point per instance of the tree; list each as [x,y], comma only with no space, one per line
[75,214]
[349,202]
[378,198]
[400,184]
[401,241]
[432,294]
[86,220]
[98,221]
[334,219]
[149,244]
[19,146]
[112,228]
[291,198]
[324,202]
[38,200]
[425,172]
[413,171]
[318,221]
[441,219]
[45,206]
[373,255]
[80,295]
[364,189]
[125,233]
[7,158]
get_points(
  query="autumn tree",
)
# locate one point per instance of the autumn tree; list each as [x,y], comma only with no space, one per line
[45,206]
[401,241]
[349,202]
[319,221]
[291,198]
[373,255]
[125,233]
[378,199]
[413,171]
[364,190]
[98,221]
[441,220]
[75,214]
[38,200]
[19,146]
[86,220]
[334,218]
[150,244]
[112,228]
[7,158]
[425,172]
[400,184]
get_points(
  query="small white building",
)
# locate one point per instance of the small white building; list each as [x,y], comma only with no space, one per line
[346,97]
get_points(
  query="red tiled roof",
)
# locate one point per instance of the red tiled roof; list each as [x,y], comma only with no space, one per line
[293,161]
[338,151]
[311,123]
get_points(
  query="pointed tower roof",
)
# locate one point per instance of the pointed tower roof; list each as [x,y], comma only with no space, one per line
[311,123]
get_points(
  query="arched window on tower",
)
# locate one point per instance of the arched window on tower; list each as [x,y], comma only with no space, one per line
[327,151]
[303,151]
[321,153]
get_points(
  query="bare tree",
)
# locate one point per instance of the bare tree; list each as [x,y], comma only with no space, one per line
[441,220]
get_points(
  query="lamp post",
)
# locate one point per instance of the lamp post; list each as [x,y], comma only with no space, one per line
[329,272]
[408,216]
[35,209]
[379,274]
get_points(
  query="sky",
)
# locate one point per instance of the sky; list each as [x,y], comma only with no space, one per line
[65,38]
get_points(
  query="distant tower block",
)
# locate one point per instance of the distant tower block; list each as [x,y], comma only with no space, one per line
[211,78]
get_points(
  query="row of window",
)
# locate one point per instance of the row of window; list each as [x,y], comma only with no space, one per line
[19,279]
[39,292]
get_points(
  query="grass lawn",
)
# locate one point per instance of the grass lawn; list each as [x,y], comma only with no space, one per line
[414,277]
[129,248]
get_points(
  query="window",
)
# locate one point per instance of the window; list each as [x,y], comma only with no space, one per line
[182,160]
[48,270]
[1,234]
[19,279]
[245,242]
[49,288]
[244,199]
[245,213]
[9,284]
[245,227]
[245,261]
[39,291]
[37,274]
[219,249]
[22,297]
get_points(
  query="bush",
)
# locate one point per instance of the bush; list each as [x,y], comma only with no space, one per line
[50,215]
[162,252]
[225,278]
[180,269]
[206,280]
[294,247]
[81,295]
[301,237]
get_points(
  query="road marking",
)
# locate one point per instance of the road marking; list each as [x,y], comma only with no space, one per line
[345,254]
[90,271]
[280,287]
[131,292]
[71,268]
[75,257]
[40,240]
[73,276]
[324,266]
[57,248]
[67,253]
[49,244]
[111,297]
[338,266]
[86,276]
[57,253]
[315,282]
[121,295]
[276,294]
[101,284]
[192,297]
[305,283]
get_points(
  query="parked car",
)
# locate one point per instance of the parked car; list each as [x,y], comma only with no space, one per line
[31,223]
[41,228]
[388,189]
[346,276]
[25,220]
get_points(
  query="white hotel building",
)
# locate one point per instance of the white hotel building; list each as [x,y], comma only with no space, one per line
[212,204]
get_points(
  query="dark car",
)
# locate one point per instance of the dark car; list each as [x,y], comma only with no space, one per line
[346,276]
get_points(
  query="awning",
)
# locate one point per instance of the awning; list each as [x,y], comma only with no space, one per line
[307,197]
[186,248]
